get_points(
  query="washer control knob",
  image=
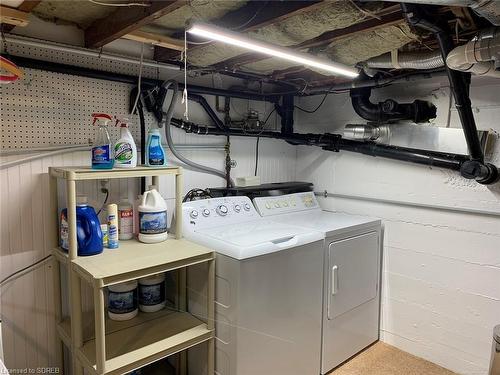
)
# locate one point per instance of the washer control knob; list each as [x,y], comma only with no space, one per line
[237,208]
[246,207]
[206,212]
[222,210]
[193,214]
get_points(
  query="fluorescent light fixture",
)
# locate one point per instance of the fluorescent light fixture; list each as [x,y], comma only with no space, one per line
[215,33]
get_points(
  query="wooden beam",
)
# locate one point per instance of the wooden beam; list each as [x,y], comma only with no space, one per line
[266,13]
[26,6]
[387,19]
[125,20]
[156,40]
[14,17]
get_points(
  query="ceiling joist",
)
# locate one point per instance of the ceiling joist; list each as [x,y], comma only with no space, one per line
[156,40]
[126,20]
[264,13]
[388,17]
[11,18]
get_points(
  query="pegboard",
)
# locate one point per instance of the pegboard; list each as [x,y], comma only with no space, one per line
[53,109]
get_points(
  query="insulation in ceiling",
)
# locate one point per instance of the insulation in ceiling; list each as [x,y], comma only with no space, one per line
[306,25]
[349,50]
[82,13]
[203,10]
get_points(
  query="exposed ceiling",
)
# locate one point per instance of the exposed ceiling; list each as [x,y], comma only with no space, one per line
[346,31]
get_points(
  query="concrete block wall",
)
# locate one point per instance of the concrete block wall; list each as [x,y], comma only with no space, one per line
[441,267]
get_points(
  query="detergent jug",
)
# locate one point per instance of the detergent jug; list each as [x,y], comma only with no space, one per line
[88,232]
[152,217]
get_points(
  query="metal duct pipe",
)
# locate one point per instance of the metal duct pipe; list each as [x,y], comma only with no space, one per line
[406,60]
[363,132]
[489,9]
[480,56]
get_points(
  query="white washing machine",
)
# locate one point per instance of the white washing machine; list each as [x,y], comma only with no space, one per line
[352,267]
[268,288]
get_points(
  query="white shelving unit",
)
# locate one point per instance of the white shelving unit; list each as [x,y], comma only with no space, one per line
[119,347]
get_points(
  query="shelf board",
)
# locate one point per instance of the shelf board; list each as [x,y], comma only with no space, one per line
[134,259]
[146,338]
[87,173]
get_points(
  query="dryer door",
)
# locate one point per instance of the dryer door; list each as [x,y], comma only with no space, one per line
[352,298]
[353,273]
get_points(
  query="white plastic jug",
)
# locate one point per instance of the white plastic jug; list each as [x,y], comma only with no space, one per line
[152,217]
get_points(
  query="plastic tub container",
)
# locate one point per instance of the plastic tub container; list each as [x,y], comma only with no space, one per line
[152,293]
[122,301]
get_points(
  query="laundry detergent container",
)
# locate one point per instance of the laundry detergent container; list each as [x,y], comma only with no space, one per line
[88,232]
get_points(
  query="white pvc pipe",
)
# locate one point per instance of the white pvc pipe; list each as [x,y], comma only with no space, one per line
[31,42]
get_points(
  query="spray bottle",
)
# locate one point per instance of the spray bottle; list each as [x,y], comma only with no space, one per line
[125,149]
[155,154]
[102,157]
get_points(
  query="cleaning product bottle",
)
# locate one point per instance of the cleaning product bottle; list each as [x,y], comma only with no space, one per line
[152,217]
[155,154]
[125,150]
[88,229]
[112,210]
[102,157]
[125,220]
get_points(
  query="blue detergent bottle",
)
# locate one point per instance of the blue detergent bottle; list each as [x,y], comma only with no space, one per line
[88,232]
[102,151]
[155,154]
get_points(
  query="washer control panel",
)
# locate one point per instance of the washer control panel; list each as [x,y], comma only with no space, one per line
[281,204]
[211,212]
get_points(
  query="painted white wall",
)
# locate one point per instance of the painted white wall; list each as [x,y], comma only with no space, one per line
[26,305]
[441,269]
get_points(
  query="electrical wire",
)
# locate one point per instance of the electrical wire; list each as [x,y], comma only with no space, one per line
[319,105]
[120,4]
[105,200]
[139,79]
[8,278]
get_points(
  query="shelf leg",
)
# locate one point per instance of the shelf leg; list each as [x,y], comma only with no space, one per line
[211,315]
[182,306]
[179,186]
[59,352]
[75,285]
[100,330]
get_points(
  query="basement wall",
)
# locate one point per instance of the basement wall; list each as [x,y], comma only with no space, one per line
[26,303]
[441,259]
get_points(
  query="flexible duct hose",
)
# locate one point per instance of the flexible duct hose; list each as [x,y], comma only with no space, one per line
[167,117]
[407,60]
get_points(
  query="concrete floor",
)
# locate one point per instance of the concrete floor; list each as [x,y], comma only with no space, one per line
[383,359]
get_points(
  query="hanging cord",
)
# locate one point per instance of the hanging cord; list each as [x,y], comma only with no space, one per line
[185,92]
[22,270]
[139,79]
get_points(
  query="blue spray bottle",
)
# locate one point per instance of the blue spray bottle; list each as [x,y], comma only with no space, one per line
[155,154]
[102,152]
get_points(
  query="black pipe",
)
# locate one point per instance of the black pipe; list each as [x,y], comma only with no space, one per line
[297,138]
[431,158]
[416,17]
[390,110]
[208,109]
[50,66]
[142,122]
[334,142]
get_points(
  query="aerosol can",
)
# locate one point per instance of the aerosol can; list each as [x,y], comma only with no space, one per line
[102,152]
[125,150]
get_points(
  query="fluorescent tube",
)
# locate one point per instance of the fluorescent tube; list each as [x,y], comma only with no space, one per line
[222,35]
